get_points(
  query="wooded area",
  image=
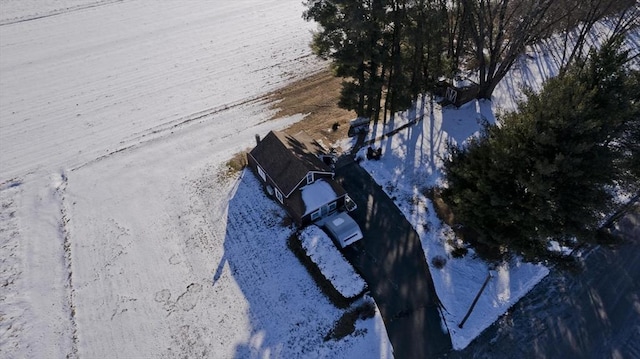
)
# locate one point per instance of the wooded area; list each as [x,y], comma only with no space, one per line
[390,51]
[549,171]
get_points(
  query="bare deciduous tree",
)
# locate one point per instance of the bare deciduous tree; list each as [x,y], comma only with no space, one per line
[494,33]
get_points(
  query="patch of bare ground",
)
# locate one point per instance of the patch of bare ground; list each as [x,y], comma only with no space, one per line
[316,97]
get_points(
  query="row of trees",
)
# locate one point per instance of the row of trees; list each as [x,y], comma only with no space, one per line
[550,170]
[385,50]
[390,51]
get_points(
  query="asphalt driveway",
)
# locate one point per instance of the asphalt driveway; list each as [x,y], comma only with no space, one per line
[391,260]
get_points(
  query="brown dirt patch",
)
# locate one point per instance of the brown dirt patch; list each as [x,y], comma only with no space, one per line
[317,97]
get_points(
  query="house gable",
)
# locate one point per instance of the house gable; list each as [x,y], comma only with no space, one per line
[305,211]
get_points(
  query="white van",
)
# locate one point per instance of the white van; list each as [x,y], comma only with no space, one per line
[342,228]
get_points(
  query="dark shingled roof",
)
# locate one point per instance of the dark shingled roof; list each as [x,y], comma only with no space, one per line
[288,159]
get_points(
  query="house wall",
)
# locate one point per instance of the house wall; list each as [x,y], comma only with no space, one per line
[306,219]
[457,96]
[267,181]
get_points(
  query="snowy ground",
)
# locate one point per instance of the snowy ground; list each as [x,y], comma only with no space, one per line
[543,60]
[120,233]
[92,80]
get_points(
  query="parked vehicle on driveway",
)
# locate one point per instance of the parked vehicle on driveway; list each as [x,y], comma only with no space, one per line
[342,229]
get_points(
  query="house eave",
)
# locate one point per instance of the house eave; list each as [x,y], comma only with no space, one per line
[304,179]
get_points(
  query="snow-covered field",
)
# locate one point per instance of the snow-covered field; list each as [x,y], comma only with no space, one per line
[121,233]
[92,80]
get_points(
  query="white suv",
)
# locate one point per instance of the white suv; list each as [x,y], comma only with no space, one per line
[342,228]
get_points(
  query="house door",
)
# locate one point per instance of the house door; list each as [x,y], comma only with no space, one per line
[324,210]
[327,208]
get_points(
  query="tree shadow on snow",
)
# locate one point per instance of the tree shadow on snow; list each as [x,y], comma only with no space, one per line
[390,259]
[414,154]
[592,313]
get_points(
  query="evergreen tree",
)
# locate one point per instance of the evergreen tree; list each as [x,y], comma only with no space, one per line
[387,51]
[351,35]
[548,171]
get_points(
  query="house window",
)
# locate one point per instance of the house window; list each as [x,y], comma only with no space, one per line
[262,174]
[315,215]
[332,206]
[309,177]
[279,196]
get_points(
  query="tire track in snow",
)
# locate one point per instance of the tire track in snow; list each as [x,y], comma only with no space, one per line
[167,129]
[12,321]
[55,12]
[60,191]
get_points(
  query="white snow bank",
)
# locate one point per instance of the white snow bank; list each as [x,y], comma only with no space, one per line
[331,263]
[316,195]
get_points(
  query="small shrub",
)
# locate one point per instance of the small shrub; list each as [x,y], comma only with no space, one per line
[429,192]
[459,252]
[439,262]
[443,211]
[287,221]
[237,162]
[346,325]
[366,310]
[343,327]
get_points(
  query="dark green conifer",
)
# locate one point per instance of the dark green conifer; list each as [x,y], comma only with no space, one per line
[548,172]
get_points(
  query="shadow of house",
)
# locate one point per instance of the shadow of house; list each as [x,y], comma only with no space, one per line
[269,305]
[270,279]
[297,171]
